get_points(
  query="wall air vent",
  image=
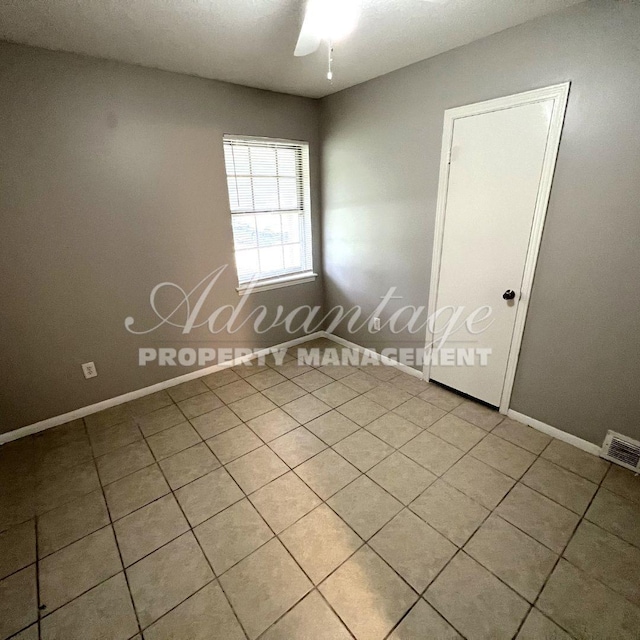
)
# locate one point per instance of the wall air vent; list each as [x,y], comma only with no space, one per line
[622,450]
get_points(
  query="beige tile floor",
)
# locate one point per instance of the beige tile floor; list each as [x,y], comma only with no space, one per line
[313,503]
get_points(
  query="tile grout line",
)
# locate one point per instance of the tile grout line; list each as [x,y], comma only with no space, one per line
[190,527]
[246,495]
[110,524]
[365,543]
[267,443]
[62,606]
[276,536]
[38,601]
[245,423]
[115,538]
[307,595]
[144,437]
[195,537]
[582,517]
[460,549]
[570,538]
[38,559]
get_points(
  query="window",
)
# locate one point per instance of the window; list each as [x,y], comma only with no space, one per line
[268,182]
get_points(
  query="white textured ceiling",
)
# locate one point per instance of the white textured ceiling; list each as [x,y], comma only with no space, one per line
[251,42]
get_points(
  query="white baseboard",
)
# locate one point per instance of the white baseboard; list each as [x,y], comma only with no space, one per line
[56,421]
[589,447]
[375,355]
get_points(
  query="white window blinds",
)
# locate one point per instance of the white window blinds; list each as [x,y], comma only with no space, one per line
[268,182]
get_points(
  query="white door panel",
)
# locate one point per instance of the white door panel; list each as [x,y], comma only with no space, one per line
[495,170]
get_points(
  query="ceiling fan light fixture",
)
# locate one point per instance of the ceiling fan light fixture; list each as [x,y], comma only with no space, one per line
[328,21]
[333,20]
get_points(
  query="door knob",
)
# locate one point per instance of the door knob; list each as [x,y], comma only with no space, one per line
[509,295]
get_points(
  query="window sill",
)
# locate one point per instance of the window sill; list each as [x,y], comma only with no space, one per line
[276,283]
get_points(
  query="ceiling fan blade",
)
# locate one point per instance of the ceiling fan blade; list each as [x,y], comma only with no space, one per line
[308,40]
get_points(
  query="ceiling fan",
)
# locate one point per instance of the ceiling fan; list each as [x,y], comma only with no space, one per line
[329,21]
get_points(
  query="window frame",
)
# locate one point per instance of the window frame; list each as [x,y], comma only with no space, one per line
[306,273]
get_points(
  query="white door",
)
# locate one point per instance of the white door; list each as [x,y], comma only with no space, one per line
[496,162]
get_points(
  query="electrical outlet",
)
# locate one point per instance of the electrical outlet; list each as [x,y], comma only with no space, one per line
[89,370]
[376,324]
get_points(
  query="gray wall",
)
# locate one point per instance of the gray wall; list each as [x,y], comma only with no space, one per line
[111,181]
[580,361]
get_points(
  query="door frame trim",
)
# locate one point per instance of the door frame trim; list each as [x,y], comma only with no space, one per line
[559,93]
